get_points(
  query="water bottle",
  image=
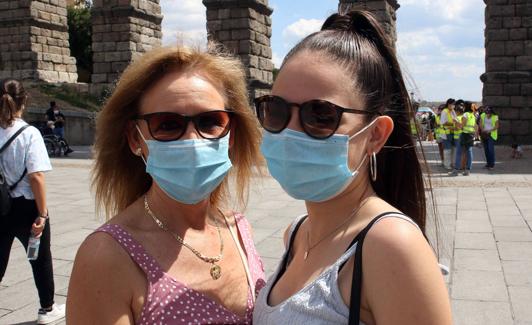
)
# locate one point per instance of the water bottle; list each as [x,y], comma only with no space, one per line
[33,247]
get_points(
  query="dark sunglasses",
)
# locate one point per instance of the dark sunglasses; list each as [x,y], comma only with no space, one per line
[319,118]
[168,126]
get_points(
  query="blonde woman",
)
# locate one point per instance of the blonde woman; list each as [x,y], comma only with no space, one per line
[176,125]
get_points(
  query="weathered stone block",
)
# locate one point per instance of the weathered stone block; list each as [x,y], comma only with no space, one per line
[519,76]
[99,78]
[214,26]
[240,34]
[509,113]
[224,35]
[497,35]
[55,50]
[250,47]
[514,48]
[526,89]
[493,89]
[495,48]
[518,34]
[500,63]
[512,22]
[224,13]
[512,90]
[265,64]
[500,10]
[101,67]
[496,100]
[523,62]
[525,113]
[518,101]
[119,67]
[113,56]
[520,127]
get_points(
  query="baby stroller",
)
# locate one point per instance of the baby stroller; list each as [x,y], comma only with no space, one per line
[55,145]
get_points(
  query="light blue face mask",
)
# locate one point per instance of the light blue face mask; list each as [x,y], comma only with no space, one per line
[188,170]
[310,169]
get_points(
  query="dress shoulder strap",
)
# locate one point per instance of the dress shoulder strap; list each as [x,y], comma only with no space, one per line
[135,251]
[356,285]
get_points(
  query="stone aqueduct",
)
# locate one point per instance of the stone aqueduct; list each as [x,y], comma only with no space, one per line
[34,45]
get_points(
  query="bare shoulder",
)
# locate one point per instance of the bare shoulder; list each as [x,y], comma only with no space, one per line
[97,291]
[100,250]
[402,280]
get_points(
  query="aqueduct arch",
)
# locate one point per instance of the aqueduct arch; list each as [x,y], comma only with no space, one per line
[34,45]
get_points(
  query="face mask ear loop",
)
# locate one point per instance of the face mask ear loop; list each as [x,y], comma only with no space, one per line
[143,139]
[359,165]
[365,156]
[363,129]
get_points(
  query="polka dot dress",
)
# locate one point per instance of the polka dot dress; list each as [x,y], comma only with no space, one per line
[171,302]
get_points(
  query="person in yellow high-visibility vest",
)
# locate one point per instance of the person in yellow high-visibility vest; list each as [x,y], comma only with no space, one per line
[440,132]
[468,129]
[447,120]
[489,126]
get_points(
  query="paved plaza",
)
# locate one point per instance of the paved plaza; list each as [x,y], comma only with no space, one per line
[484,223]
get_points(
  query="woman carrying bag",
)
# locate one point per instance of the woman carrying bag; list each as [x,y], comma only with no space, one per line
[23,163]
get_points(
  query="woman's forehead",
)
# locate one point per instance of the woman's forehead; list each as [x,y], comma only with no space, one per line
[181,91]
[307,76]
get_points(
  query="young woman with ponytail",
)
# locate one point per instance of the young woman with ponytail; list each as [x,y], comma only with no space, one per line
[337,135]
[24,162]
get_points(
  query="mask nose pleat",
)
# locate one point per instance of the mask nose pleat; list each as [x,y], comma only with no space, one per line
[306,168]
[189,170]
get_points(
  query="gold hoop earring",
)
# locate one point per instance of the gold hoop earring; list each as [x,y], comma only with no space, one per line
[373,166]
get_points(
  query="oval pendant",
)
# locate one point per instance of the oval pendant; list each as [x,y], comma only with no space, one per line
[216,271]
[305,256]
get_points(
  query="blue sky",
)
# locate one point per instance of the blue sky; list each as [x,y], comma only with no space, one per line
[440,42]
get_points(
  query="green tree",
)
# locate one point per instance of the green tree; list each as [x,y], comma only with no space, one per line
[80,34]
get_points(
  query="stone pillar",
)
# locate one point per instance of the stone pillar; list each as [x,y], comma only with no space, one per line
[34,41]
[244,27]
[508,77]
[384,10]
[121,31]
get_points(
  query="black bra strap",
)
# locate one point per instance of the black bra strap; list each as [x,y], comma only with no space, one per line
[356,285]
[286,260]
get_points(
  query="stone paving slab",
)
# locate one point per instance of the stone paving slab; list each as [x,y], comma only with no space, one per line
[484,235]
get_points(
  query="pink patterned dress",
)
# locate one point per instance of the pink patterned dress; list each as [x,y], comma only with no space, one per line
[169,301]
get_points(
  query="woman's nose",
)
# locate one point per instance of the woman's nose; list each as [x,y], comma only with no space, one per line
[190,132]
[294,123]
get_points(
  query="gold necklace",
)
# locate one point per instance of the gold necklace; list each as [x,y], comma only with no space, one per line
[349,217]
[216,270]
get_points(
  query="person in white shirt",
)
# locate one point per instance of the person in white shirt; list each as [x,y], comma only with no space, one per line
[24,161]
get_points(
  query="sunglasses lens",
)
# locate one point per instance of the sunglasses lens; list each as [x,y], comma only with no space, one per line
[213,125]
[273,113]
[167,126]
[319,119]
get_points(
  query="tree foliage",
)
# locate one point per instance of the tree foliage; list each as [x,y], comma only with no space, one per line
[80,34]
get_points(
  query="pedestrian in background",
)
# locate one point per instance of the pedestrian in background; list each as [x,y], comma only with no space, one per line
[24,163]
[447,120]
[489,126]
[467,124]
[54,115]
[440,134]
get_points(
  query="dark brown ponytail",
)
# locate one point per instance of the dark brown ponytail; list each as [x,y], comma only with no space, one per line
[12,101]
[356,41]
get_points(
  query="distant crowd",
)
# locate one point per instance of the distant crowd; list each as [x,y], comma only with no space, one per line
[456,126]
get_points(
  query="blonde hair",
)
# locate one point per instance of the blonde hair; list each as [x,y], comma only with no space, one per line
[12,100]
[119,177]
